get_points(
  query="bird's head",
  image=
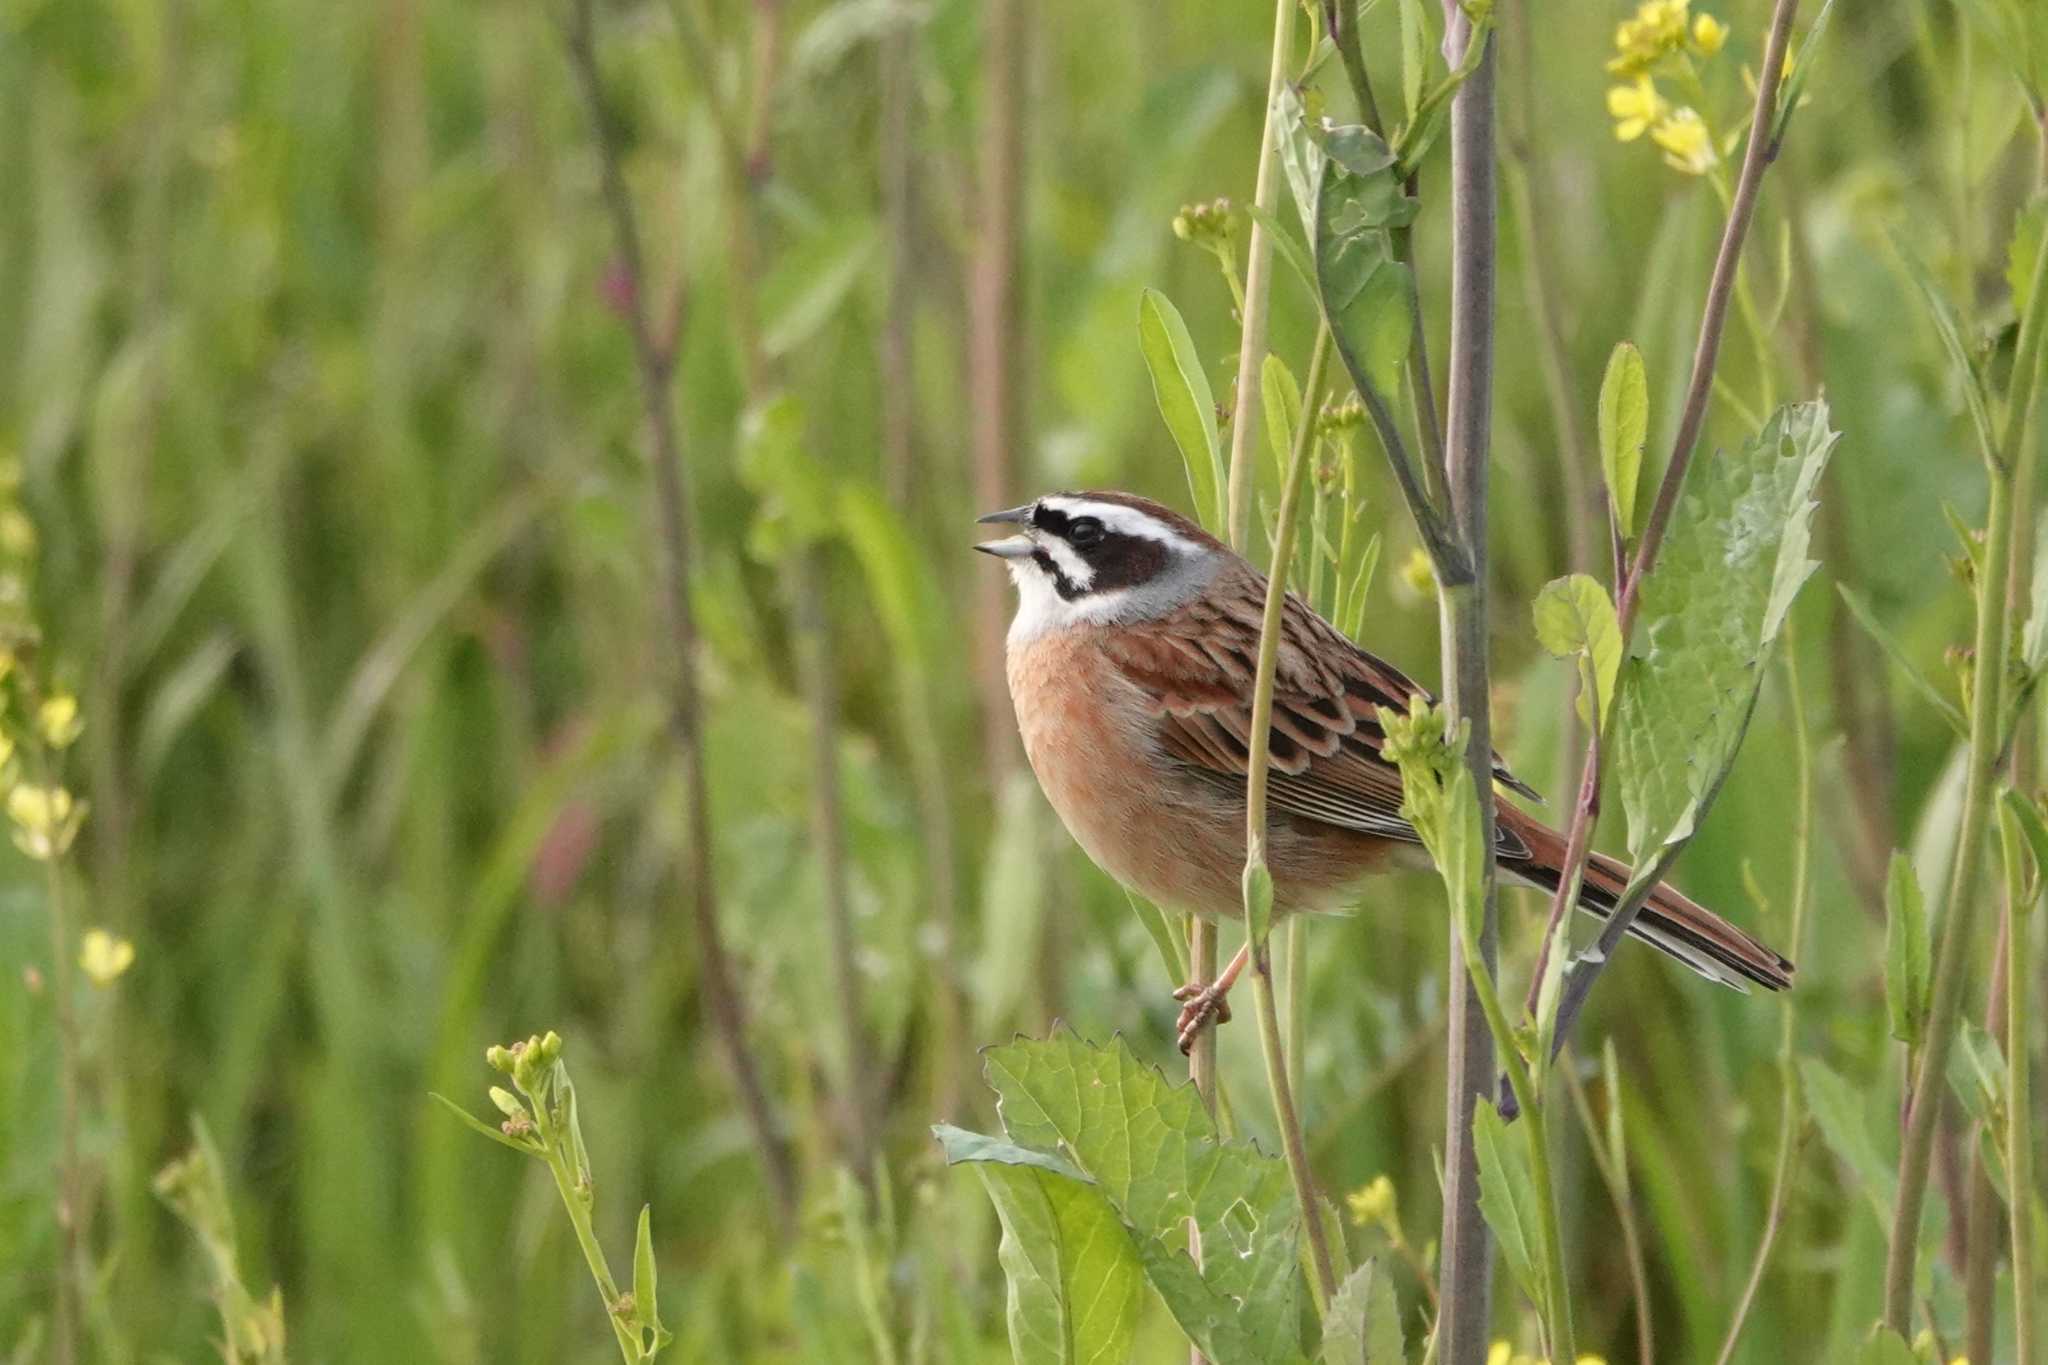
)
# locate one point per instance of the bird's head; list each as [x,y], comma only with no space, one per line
[1099,558]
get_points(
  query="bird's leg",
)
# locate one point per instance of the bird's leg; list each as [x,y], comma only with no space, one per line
[1201,1003]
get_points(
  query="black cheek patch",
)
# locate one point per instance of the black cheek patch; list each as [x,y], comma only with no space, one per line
[1122,561]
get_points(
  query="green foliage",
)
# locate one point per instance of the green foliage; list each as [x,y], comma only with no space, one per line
[1365,290]
[1182,391]
[1363,1326]
[1843,1115]
[1907,952]
[1922,684]
[252,1330]
[1507,1196]
[1148,1156]
[1575,620]
[1733,559]
[1624,422]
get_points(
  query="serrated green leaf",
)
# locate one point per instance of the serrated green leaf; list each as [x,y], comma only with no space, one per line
[1152,1149]
[1507,1195]
[1075,1282]
[1575,616]
[1181,388]
[1906,951]
[1843,1115]
[1732,560]
[1282,402]
[1363,1325]
[1896,652]
[1624,427]
[1365,291]
[1258,902]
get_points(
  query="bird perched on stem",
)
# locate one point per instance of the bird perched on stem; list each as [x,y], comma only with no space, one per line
[1131,661]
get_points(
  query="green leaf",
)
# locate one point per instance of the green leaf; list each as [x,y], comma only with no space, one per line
[2023,257]
[1153,1151]
[1363,1325]
[1732,560]
[2028,818]
[1624,426]
[1286,243]
[1886,1347]
[646,1302]
[1976,1072]
[478,1125]
[1415,49]
[1164,935]
[1258,902]
[811,281]
[1365,291]
[1803,63]
[1301,155]
[1906,951]
[1889,643]
[1076,1286]
[1507,1196]
[1949,327]
[1460,861]
[1182,391]
[1575,617]
[1282,402]
[1843,1115]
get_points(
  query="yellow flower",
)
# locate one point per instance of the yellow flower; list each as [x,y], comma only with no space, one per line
[1656,31]
[1417,575]
[1682,134]
[1375,1204]
[58,720]
[1635,108]
[46,820]
[1708,35]
[102,956]
[1500,1354]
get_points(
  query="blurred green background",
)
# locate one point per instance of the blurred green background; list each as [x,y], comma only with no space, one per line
[314,365]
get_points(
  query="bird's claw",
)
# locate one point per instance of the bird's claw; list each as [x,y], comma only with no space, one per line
[1200,1004]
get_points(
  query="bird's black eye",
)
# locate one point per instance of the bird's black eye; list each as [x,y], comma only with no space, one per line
[1083,532]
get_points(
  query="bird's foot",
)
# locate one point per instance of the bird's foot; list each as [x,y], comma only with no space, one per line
[1199,1005]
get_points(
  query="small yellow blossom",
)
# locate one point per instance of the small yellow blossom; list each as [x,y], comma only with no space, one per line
[1417,574]
[102,956]
[1375,1204]
[17,533]
[1708,35]
[46,820]
[1635,108]
[1656,31]
[1682,134]
[59,721]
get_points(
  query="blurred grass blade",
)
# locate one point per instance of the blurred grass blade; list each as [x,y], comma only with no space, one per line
[1181,389]
[1896,652]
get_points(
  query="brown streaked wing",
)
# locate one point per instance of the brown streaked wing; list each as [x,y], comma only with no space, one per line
[1198,667]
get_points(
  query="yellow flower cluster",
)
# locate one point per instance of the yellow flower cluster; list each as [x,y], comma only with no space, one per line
[1661,32]
[1503,1354]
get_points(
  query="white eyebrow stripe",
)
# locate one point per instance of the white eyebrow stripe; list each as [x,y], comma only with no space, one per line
[1114,516]
[1073,568]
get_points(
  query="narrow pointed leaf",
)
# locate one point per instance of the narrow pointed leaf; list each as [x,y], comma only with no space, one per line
[1896,652]
[1624,426]
[1186,402]
[1906,952]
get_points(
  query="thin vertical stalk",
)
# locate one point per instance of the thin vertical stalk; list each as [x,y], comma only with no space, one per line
[995,353]
[1958,927]
[1245,423]
[1258,772]
[1465,1278]
[2019,1133]
[656,368]
[69,1285]
[1789,1119]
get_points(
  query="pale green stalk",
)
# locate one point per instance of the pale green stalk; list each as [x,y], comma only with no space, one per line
[2019,1132]
[1987,709]
[1258,772]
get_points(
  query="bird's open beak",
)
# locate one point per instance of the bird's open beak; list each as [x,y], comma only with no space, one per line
[1009,547]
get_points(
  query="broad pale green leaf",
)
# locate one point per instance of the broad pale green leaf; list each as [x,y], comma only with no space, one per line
[1733,558]
[1507,1195]
[1301,156]
[1365,291]
[1886,1347]
[1889,643]
[1185,400]
[1906,951]
[1363,1325]
[1575,617]
[1624,426]
[1282,402]
[1153,1150]
[1843,1115]
[1075,1284]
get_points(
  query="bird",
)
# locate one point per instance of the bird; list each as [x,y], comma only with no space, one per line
[1131,660]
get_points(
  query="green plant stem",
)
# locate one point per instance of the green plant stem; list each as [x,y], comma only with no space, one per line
[1993,643]
[1610,1164]
[1294,982]
[1258,288]
[1259,767]
[1790,1121]
[2019,1136]
[586,1237]
[70,1172]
